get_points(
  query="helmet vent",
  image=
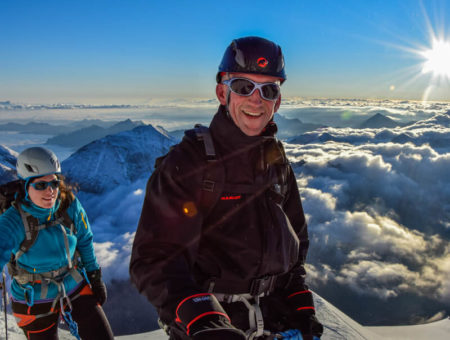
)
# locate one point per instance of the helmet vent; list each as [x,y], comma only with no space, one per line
[31,168]
[239,55]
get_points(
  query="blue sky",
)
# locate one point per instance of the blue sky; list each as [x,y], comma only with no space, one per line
[133,51]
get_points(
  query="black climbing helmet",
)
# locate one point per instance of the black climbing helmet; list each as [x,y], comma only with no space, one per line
[253,55]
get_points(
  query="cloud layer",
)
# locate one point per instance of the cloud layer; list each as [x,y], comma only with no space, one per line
[378,210]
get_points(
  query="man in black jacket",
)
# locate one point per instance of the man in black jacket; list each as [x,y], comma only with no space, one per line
[222,239]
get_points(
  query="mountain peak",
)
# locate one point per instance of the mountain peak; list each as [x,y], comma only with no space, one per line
[116,159]
[378,121]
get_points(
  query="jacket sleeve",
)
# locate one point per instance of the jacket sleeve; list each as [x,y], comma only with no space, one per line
[168,233]
[11,234]
[85,244]
[295,279]
[292,291]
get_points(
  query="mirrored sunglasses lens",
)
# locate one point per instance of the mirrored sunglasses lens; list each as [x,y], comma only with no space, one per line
[54,184]
[43,185]
[242,86]
[40,185]
[270,91]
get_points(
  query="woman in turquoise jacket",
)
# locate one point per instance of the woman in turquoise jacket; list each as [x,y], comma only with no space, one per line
[53,267]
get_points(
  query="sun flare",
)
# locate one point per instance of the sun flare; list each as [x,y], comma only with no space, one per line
[437,59]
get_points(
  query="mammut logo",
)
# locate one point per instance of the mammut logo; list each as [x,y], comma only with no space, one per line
[203,298]
[262,62]
[227,198]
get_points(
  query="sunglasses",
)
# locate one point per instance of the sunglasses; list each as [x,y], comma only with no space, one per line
[44,185]
[246,87]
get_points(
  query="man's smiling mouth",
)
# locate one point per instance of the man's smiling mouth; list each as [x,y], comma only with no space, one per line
[252,114]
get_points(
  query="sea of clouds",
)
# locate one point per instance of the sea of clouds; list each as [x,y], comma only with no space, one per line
[377,203]
[378,211]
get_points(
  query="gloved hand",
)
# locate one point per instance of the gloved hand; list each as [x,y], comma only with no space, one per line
[97,285]
[303,315]
[203,318]
[295,334]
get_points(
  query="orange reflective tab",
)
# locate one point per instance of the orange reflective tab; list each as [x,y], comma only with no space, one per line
[86,291]
[24,319]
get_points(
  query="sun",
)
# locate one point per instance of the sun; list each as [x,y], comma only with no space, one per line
[437,59]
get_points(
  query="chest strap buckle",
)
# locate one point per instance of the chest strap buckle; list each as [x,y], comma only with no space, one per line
[262,285]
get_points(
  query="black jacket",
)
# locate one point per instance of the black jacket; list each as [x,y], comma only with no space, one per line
[179,248]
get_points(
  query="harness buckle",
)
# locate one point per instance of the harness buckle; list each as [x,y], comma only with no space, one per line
[262,285]
[208,185]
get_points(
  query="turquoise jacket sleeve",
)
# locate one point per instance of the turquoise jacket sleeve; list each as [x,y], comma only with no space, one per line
[85,245]
[11,234]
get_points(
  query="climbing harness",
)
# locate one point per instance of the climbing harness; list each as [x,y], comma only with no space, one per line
[256,321]
[26,279]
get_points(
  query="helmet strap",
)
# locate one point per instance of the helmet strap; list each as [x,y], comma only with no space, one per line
[228,102]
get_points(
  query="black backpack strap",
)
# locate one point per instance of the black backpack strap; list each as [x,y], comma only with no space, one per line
[214,172]
[31,228]
[283,170]
[62,217]
[203,134]
[280,170]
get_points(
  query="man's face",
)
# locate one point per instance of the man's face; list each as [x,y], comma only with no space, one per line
[252,113]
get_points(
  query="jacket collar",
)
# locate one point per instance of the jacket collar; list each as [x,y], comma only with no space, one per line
[40,213]
[230,137]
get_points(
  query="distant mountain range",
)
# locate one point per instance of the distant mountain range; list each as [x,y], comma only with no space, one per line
[116,159]
[292,127]
[384,134]
[90,133]
[39,128]
[33,127]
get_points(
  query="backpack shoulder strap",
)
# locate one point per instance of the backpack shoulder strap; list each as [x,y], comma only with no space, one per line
[31,228]
[283,169]
[214,171]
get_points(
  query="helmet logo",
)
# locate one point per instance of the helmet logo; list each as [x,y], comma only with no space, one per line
[262,62]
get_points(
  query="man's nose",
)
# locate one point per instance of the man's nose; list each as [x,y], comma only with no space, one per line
[255,97]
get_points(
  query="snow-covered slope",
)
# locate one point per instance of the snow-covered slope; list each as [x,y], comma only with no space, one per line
[116,159]
[7,164]
[338,326]
[435,330]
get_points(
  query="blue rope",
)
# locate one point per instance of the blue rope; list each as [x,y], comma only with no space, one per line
[292,334]
[83,270]
[73,327]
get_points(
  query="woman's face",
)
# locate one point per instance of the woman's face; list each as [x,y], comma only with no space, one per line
[45,198]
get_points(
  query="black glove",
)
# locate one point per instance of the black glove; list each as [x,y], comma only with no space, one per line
[202,318]
[97,285]
[303,315]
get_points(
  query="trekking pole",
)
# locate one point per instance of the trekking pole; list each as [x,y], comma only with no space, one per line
[5,302]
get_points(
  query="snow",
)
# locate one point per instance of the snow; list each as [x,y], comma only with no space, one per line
[435,330]
[116,159]
[337,326]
